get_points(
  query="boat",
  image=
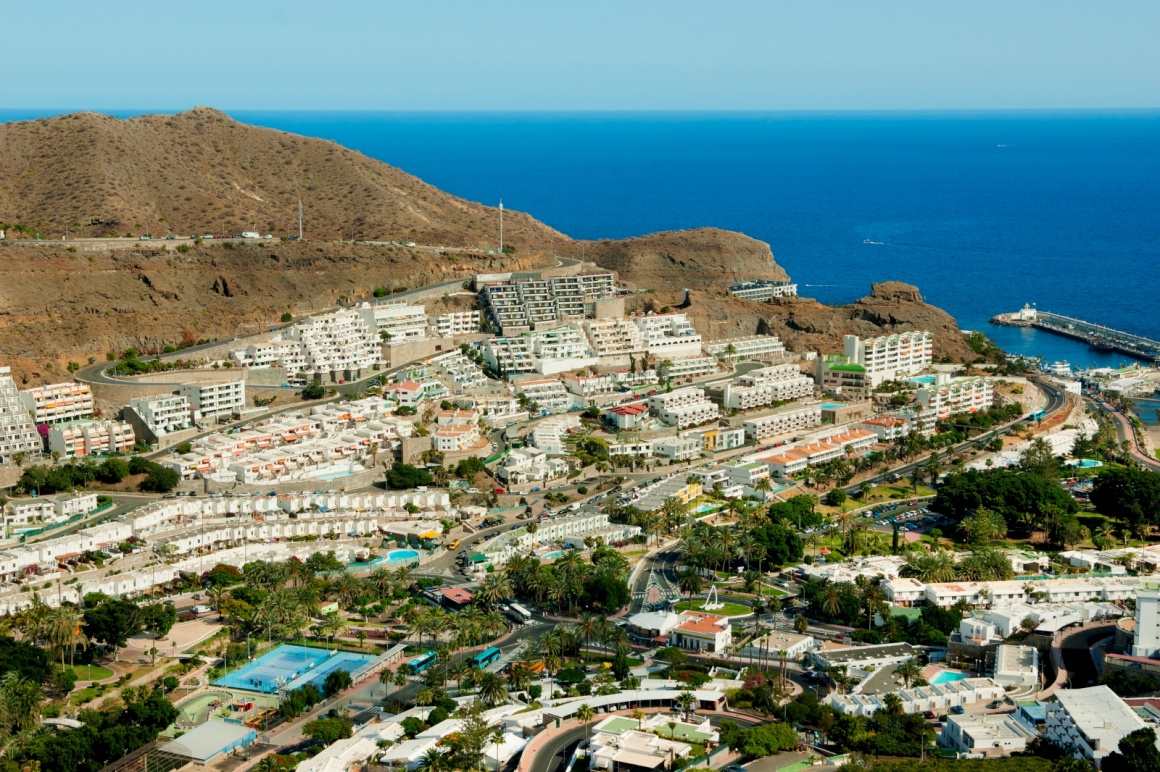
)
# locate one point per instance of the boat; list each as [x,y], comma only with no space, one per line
[1100,344]
[868,241]
[1058,368]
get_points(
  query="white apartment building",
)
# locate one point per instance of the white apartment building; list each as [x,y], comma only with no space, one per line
[890,357]
[836,375]
[460,368]
[455,437]
[777,383]
[634,378]
[677,448]
[457,323]
[561,349]
[508,356]
[747,348]
[763,290]
[614,337]
[961,395]
[277,353]
[790,418]
[641,449]
[570,290]
[627,417]
[24,515]
[59,402]
[1091,721]
[589,386]
[669,336]
[548,435]
[524,304]
[985,736]
[713,440]
[214,398]
[548,393]
[395,322]
[337,343]
[1016,666]
[91,438]
[684,408]
[163,414]
[17,432]
[524,465]
[1006,593]
[887,427]
[793,460]
[681,368]
[748,474]
[498,411]
[1146,642]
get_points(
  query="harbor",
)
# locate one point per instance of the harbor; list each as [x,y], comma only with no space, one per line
[1097,336]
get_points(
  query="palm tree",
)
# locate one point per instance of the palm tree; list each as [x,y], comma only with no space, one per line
[585,713]
[691,582]
[492,691]
[332,626]
[497,738]
[386,678]
[267,764]
[686,702]
[434,760]
[908,671]
[638,716]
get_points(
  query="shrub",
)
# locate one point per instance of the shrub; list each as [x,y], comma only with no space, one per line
[287,317]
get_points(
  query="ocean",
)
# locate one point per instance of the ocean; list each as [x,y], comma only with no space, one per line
[982,211]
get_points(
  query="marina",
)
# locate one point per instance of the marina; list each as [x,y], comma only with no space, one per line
[1097,336]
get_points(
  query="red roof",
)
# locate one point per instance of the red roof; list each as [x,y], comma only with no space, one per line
[406,386]
[457,594]
[628,409]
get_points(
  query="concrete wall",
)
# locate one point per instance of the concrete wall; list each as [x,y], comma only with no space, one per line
[403,353]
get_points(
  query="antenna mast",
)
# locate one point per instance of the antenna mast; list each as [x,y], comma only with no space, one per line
[501,226]
[300,218]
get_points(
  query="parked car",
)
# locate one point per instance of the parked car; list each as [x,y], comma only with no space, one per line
[958,710]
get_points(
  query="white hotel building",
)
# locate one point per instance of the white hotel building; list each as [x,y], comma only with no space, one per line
[91,438]
[684,408]
[548,393]
[890,357]
[613,337]
[1090,721]
[337,343]
[687,367]
[777,383]
[59,402]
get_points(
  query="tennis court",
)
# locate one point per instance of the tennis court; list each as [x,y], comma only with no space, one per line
[291,666]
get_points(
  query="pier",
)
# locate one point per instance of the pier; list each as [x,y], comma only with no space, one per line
[1095,335]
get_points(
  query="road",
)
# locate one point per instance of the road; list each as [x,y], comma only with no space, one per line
[1125,433]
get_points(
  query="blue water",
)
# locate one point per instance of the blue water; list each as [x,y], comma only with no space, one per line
[396,555]
[949,675]
[291,666]
[983,211]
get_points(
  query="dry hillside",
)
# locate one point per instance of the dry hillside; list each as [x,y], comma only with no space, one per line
[202,172]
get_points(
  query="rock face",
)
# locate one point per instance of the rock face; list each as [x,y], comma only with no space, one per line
[691,259]
[804,324]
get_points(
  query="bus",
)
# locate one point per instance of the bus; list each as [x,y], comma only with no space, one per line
[484,658]
[519,614]
[422,662]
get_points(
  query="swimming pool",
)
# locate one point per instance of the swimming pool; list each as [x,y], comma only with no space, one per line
[334,476]
[395,556]
[362,565]
[946,676]
[703,508]
[1085,463]
[291,666]
[832,405]
[553,555]
[926,379]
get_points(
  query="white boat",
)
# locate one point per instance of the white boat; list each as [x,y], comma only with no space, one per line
[1059,368]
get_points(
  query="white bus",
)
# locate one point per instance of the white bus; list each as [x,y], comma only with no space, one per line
[519,614]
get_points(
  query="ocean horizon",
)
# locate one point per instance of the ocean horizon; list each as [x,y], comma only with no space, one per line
[982,210]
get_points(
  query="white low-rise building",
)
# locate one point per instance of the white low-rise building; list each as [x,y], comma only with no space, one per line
[790,418]
[456,438]
[677,448]
[761,347]
[549,434]
[91,438]
[683,368]
[762,290]
[684,408]
[548,394]
[937,698]
[960,395]
[985,736]
[1090,721]
[525,465]
[17,431]
[1016,666]
[668,336]
[395,323]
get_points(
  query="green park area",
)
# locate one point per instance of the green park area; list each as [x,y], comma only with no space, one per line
[727,609]
[92,672]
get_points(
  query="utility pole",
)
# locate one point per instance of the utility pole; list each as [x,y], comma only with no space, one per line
[300,218]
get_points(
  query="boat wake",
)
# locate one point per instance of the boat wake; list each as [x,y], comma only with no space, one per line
[877,243]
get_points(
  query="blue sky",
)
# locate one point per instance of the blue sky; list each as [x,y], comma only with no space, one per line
[548,55]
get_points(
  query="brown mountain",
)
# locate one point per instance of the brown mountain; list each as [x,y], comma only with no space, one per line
[202,172]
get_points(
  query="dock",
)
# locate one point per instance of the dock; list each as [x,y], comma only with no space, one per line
[1098,336]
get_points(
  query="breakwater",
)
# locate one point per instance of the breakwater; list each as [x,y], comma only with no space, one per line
[1098,336]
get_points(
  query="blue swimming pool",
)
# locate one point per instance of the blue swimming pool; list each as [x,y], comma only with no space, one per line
[1085,463]
[553,555]
[395,556]
[334,476]
[946,676]
[832,405]
[291,666]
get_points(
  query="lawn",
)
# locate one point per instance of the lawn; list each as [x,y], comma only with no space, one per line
[92,672]
[728,610]
[83,696]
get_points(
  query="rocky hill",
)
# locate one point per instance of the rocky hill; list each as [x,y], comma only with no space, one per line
[202,172]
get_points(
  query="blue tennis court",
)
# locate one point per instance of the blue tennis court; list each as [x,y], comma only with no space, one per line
[291,666]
